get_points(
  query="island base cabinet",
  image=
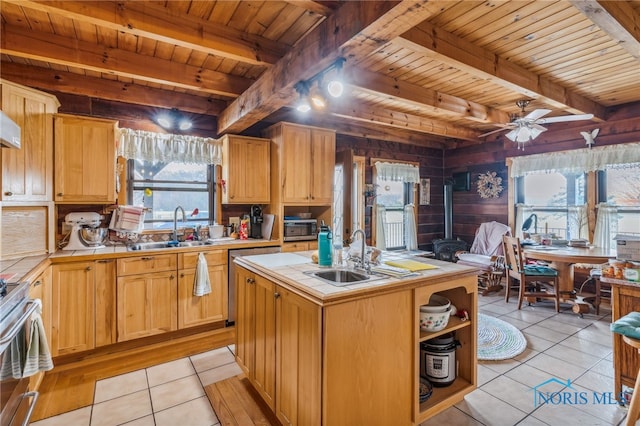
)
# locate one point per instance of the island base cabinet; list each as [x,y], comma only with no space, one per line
[147,305]
[368,361]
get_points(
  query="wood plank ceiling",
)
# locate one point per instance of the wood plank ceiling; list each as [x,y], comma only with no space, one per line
[435,73]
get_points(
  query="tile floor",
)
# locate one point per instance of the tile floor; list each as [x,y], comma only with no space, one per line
[562,346]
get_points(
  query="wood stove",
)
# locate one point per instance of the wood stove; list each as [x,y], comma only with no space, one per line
[446,248]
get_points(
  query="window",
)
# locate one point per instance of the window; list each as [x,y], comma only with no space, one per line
[551,197]
[621,187]
[162,187]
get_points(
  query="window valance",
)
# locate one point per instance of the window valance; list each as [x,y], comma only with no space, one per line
[579,160]
[159,147]
[398,172]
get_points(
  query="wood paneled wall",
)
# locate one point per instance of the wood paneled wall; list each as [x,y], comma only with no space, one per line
[430,217]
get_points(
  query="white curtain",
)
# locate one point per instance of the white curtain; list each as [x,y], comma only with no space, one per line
[522,212]
[397,172]
[159,147]
[578,225]
[606,226]
[410,232]
[381,224]
[577,160]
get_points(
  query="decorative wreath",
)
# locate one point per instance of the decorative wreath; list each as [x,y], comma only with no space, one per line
[489,185]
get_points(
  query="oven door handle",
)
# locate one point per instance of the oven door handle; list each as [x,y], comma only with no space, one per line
[13,331]
[32,405]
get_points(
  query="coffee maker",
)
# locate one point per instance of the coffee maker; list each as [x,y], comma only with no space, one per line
[256,221]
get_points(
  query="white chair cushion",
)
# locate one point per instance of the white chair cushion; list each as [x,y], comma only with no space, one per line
[479,259]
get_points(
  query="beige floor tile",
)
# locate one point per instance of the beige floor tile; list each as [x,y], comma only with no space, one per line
[596,404]
[560,324]
[596,333]
[588,347]
[545,333]
[497,309]
[79,417]
[527,315]
[451,416]
[512,392]
[595,382]
[216,374]
[485,374]
[578,358]
[567,415]
[212,359]
[490,410]
[531,377]
[121,410]
[163,373]
[604,367]
[555,367]
[197,412]
[501,367]
[144,421]
[176,392]
[515,322]
[537,343]
[526,355]
[117,386]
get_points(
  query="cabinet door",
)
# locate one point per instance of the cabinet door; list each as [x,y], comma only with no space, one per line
[27,173]
[296,165]
[196,310]
[85,160]
[146,305]
[264,374]
[322,165]
[246,170]
[105,278]
[73,308]
[245,320]
[299,351]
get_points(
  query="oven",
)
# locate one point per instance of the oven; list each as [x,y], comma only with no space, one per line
[17,403]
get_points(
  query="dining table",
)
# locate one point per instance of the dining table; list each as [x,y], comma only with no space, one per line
[563,259]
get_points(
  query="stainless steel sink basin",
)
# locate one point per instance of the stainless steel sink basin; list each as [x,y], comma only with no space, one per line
[164,244]
[342,277]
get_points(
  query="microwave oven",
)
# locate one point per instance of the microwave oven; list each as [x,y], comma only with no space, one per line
[300,229]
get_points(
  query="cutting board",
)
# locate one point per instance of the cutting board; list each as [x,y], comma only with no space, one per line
[267,225]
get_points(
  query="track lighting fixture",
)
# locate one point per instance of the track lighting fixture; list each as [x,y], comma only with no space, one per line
[312,92]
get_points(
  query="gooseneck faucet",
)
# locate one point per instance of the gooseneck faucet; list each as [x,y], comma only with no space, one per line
[174,237]
[363,251]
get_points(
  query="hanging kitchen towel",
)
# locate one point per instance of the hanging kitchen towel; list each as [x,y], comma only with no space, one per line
[38,355]
[127,218]
[201,283]
[13,357]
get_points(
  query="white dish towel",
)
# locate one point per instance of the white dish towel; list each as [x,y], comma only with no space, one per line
[201,283]
[38,354]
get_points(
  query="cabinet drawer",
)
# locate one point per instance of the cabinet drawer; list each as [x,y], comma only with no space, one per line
[149,263]
[190,260]
[299,246]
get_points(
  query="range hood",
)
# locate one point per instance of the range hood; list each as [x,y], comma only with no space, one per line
[9,132]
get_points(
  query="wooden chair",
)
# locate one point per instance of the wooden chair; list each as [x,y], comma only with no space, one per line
[534,282]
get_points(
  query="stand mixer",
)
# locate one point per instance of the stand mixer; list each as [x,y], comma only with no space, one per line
[85,233]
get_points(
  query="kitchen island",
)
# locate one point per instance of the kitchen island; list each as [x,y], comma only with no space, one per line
[318,353]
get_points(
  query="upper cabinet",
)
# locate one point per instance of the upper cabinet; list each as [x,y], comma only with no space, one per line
[303,158]
[85,160]
[246,170]
[27,173]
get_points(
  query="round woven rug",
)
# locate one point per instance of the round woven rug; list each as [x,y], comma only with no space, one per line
[498,340]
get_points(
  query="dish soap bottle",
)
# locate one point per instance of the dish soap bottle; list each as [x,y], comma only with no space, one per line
[325,246]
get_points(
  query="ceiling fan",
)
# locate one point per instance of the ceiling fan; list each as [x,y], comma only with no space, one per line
[527,127]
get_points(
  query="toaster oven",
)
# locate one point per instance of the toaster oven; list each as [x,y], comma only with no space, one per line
[300,229]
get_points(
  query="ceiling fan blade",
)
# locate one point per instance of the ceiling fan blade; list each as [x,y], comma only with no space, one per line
[539,127]
[562,118]
[504,127]
[536,114]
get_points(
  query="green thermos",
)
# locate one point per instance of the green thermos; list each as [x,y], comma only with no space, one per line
[325,245]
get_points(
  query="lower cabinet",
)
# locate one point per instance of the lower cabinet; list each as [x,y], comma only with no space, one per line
[299,246]
[82,306]
[278,347]
[197,310]
[147,296]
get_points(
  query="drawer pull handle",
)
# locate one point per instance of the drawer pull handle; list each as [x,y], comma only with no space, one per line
[37,283]
[105,261]
[88,268]
[251,281]
[8,193]
[171,276]
[59,194]
[148,258]
[276,295]
[182,275]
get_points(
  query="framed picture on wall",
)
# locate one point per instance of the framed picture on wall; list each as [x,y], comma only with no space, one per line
[461,181]
[425,192]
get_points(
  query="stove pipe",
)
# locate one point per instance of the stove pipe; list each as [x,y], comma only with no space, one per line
[448,211]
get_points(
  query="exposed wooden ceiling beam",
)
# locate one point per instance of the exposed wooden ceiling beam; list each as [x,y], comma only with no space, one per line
[66,82]
[353,31]
[446,47]
[421,97]
[617,18]
[159,23]
[61,50]
[313,6]
[389,118]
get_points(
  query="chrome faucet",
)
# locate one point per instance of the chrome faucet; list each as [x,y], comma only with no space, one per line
[363,263]
[174,237]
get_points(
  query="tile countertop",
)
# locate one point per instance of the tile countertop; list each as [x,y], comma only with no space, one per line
[292,269]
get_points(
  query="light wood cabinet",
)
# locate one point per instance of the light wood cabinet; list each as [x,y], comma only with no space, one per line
[303,160]
[299,246]
[85,160]
[278,347]
[197,310]
[73,302]
[337,363]
[105,287]
[26,230]
[27,173]
[147,296]
[246,170]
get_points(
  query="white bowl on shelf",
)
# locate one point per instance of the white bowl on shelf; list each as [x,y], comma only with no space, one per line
[434,321]
[436,304]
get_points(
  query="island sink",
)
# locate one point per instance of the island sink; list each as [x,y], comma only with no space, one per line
[341,277]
